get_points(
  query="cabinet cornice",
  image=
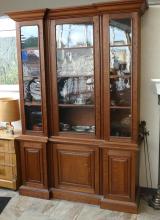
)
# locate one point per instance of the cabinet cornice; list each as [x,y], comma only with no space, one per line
[27,15]
[86,10]
[99,8]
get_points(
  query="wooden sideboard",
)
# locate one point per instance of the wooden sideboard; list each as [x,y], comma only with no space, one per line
[8,162]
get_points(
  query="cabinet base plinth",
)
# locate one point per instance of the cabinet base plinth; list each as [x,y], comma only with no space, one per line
[75,196]
[122,206]
[34,192]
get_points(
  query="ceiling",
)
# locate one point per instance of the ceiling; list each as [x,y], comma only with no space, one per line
[16,5]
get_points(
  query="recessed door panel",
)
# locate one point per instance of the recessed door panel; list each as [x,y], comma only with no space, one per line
[76,167]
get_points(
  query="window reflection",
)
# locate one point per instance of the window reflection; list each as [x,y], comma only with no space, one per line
[120,31]
[74,35]
[30,55]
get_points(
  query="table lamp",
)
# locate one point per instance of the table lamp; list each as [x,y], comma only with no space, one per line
[9,112]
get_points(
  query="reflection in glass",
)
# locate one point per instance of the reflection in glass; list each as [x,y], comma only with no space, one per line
[74,35]
[33,115]
[75,77]
[31,76]
[120,77]
[120,92]
[76,62]
[120,31]
[120,122]
[120,60]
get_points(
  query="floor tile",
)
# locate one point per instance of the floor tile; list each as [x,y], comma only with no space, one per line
[27,208]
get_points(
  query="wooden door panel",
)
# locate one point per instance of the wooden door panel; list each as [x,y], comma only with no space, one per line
[33,166]
[33,161]
[119,171]
[117,168]
[76,168]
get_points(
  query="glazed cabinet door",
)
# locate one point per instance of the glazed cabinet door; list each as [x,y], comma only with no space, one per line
[120,74]
[34,169]
[119,174]
[75,77]
[76,168]
[30,44]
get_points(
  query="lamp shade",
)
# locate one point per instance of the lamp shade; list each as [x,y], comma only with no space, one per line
[9,110]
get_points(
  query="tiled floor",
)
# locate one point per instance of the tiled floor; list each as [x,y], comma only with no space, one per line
[27,208]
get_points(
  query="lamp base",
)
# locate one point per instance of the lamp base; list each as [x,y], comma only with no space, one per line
[155,201]
[10,128]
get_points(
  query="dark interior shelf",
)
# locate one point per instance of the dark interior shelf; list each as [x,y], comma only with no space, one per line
[76,76]
[124,45]
[33,103]
[73,48]
[75,106]
[120,107]
[116,76]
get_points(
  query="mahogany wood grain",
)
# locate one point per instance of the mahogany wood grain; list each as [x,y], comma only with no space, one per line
[27,15]
[121,206]
[76,167]
[119,174]
[34,192]
[75,196]
[34,166]
[124,6]
[104,169]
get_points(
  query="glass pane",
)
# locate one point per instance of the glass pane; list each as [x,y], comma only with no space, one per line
[31,76]
[120,60]
[120,90]
[75,77]
[120,77]
[74,35]
[120,31]
[121,122]
[33,117]
[75,62]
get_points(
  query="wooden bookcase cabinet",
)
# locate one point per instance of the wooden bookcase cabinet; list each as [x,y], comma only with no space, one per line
[79,72]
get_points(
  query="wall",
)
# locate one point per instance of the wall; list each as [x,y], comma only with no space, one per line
[149,68]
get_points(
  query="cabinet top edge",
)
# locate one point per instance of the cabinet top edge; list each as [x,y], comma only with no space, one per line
[27,15]
[119,6]
[32,138]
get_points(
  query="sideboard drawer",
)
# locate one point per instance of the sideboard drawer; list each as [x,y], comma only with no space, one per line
[4,145]
[8,162]
[7,159]
[8,172]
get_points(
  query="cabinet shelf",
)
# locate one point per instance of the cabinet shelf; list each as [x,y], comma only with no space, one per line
[75,106]
[116,76]
[70,133]
[124,45]
[33,103]
[76,76]
[74,48]
[120,107]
